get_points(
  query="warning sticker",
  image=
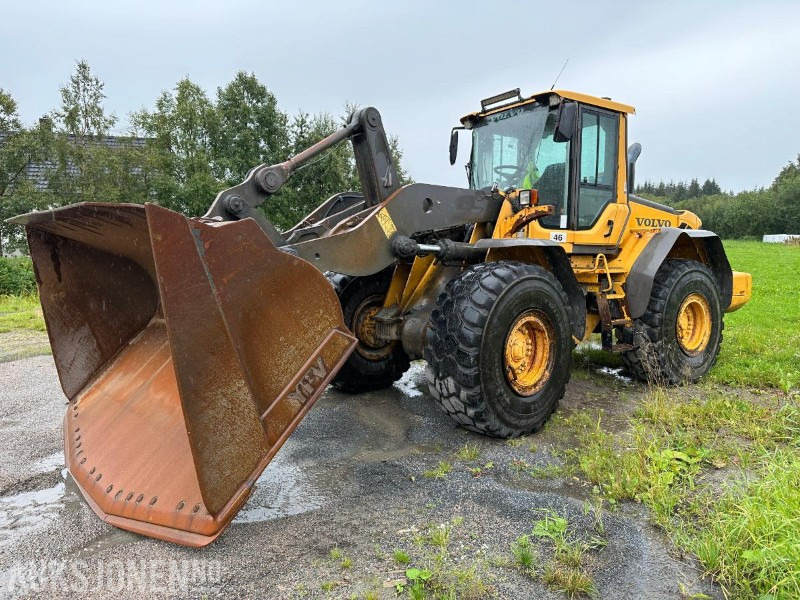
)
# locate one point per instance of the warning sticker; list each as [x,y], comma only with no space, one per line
[385,219]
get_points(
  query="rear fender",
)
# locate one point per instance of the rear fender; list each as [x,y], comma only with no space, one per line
[671,242]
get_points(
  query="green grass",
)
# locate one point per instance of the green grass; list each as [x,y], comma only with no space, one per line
[762,339]
[439,573]
[573,581]
[750,539]
[566,570]
[743,523]
[468,452]
[441,470]
[20,312]
[21,328]
[523,553]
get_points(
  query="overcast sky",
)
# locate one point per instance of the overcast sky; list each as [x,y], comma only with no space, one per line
[715,84]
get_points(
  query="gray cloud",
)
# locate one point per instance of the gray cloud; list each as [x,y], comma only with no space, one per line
[714,83]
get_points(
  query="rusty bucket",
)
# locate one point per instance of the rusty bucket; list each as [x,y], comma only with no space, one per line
[189,352]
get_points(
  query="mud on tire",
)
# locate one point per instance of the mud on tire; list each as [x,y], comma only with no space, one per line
[373,365]
[657,356]
[466,341]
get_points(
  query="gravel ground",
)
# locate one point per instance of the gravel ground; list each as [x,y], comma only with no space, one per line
[350,478]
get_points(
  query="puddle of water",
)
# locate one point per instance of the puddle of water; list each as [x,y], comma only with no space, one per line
[408,382]
[282,490]
[48,463]
[616,373]
[590,345]
[28,512]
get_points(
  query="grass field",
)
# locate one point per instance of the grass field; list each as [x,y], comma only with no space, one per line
[762,339]
[20,312]
[22,330]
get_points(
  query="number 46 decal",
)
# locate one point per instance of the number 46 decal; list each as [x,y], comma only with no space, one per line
[557,236]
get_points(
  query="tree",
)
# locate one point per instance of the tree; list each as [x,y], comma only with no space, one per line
[790,171]
[250,129]
[694,190]
[317,180]
[82,114]
[91,165]
[181,149]
[19,148]
[710,187]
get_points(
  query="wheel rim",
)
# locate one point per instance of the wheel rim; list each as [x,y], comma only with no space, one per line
[693,328]
[528,356]
[369,345]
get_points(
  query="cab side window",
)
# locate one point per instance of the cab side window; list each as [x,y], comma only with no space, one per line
[598,165]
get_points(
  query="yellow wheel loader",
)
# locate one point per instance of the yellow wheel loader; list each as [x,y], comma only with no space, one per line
[190,348]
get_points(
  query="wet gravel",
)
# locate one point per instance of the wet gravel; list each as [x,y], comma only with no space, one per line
[351,478]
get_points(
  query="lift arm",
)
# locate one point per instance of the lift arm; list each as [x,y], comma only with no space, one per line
[376,170]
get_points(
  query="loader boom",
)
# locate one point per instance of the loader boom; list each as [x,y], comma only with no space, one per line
[376,170]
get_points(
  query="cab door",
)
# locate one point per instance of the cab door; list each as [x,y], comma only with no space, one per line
[600,209]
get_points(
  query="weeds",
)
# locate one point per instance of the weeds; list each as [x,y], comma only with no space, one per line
[596,510]
[552,527]
[550,471]
[435,573]
[566,571]
[572,581]
[439,535]
[441,470]
[523,553]
[468,452]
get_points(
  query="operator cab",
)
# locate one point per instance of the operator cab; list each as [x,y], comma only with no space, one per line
[563,144]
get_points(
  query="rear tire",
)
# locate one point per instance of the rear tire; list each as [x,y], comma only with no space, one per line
[374,364]
[678,338]
[499,348]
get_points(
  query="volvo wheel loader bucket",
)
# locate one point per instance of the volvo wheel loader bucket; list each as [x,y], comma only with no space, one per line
[189,352]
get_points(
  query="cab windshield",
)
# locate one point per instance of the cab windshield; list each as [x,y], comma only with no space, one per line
[515,148]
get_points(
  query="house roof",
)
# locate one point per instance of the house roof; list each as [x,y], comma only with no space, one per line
[37,172]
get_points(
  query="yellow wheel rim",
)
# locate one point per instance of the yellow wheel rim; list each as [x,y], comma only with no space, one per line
[693,328]
[527,356]
[370,346]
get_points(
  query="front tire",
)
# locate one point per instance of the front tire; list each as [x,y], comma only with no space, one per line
[678,338]
[499,348]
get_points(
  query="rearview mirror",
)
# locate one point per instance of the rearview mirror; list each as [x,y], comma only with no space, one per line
[565,122]
[454,144]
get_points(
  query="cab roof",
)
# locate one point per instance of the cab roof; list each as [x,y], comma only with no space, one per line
[606,103]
